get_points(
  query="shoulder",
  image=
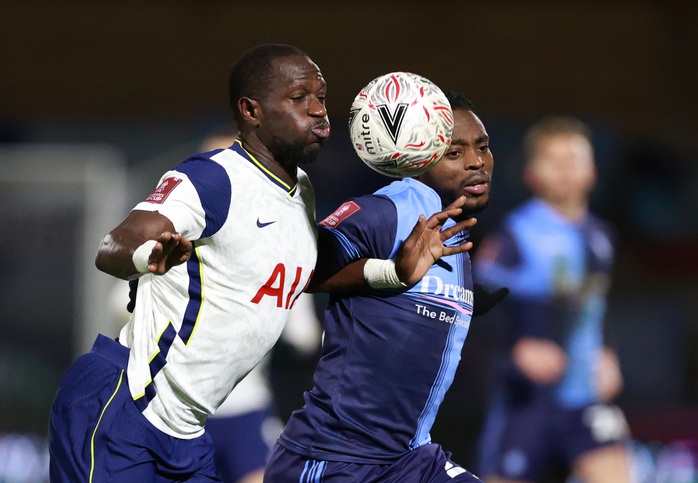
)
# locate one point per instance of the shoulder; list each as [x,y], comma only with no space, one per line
[526,210]
[410,194]
[601,224]
[360,209]
[202,167]
[520,217]
[602,236]
[210,179]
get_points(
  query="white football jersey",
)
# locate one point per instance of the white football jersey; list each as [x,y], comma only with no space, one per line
[201,327]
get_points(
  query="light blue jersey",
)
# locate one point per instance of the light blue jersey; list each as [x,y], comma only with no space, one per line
[558,275]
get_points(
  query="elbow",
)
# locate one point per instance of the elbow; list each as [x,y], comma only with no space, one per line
[100,258]
[106,262]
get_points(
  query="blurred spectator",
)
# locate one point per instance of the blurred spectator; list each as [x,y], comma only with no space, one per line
[551,407]
[23,459]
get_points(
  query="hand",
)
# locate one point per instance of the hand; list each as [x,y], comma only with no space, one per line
[609,379]
[171,249]
[484,299]
[542,361]
[425,244]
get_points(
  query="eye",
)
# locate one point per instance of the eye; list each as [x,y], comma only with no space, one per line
[298,94]
[485,148]
[453,154]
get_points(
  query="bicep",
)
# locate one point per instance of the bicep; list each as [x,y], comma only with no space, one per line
[363,228]
[142,225]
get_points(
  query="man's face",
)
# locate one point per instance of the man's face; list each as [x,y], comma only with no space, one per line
[466,168]
[293,122]
[563,168]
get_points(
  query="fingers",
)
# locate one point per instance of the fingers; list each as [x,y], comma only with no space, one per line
[457,228]
[171,249]
[463,247]
[169,241]
[417,231]
[458,203]
[451,211]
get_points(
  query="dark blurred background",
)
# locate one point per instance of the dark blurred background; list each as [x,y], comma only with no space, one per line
[132,88]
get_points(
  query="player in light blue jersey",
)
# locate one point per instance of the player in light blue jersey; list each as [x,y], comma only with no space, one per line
[391,349]
[222,249]
[556,258]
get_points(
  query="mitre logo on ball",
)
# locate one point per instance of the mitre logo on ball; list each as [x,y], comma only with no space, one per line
[401,124]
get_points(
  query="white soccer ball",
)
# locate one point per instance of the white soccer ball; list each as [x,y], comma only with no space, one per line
[401,124]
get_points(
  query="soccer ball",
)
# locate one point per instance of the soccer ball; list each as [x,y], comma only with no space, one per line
[401,124]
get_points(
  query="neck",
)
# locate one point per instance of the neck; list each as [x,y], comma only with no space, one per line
[573,210]
[288,172]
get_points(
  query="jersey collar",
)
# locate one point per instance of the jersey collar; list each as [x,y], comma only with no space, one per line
[238,148]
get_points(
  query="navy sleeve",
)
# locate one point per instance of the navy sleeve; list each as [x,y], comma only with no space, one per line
[362,227]
[213,186]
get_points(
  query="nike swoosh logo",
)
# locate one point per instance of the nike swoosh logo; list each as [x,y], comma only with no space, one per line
[262,225]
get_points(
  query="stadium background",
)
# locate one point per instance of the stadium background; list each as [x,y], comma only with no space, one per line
[128,89]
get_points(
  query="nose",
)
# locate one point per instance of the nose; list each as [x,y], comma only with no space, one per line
[317,108]
[474,160]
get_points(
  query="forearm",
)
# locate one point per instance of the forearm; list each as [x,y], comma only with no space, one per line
[365,273]
[115,253]
[350,277]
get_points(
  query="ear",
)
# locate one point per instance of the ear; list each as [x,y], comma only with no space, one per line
[249,111]
[529,177]
[594,177]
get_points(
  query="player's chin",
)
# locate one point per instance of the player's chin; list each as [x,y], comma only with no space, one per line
[310,153]
[475,204]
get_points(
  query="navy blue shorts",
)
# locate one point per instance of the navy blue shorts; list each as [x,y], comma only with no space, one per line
[426,464]
[522,443]
[96,433]
[243,442]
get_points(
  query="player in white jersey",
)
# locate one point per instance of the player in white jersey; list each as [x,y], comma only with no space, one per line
[223,247]
[251,263]
[246,425]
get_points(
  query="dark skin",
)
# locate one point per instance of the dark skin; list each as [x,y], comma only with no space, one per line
[466,168]
[287,124]
[464,174]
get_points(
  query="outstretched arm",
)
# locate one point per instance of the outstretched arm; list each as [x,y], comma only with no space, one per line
[419,251]
[152,237]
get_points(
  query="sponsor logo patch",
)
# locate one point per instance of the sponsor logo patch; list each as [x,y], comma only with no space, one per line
[163,191]
[342,213]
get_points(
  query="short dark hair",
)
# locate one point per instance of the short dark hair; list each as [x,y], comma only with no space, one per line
[251,74]
[459,101]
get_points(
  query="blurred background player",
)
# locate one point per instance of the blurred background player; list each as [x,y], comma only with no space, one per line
[556,258]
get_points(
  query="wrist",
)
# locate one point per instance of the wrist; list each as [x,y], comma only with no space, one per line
[141,256]
[380,273]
